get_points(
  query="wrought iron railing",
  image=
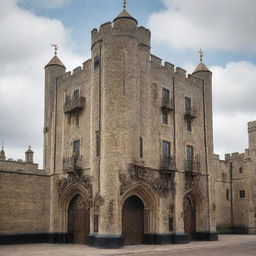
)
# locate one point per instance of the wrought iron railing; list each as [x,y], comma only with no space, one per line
[74,163]
[192,165]
[168,163]
[190,113]
[167,104]
[74,104]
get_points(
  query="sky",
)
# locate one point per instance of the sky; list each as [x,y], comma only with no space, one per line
[224,29]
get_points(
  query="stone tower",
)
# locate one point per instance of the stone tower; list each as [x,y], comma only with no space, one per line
[252,135]
[53,70]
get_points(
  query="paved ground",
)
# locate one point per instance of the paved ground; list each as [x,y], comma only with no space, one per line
[235,245]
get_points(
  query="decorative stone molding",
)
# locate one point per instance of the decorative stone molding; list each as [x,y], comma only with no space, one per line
[111,212]
[192,180]
[74,178]
[98,202]
[160,180]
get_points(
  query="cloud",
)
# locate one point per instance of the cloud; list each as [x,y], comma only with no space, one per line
[234,88]
[25,50]
[192,24]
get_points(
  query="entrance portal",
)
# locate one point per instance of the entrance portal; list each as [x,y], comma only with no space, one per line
[78,221]
[189,216]
[133,221]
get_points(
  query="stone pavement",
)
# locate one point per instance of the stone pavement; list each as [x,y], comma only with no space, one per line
[233,245]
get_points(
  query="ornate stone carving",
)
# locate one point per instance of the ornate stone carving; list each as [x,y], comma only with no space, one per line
[111,212]
[161,181]
[74,178]
[192,180]
[98,202]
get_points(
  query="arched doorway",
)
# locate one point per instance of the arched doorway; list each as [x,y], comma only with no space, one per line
[78,221]
[189,207]
[133,221]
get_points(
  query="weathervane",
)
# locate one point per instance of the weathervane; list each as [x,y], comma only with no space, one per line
[201,54]
[124,4]
[2,145]
[56,47]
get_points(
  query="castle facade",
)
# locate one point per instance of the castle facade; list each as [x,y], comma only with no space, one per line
[128,154]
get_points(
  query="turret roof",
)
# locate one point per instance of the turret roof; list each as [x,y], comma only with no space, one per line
[201,67]
[55,61]
[125,15]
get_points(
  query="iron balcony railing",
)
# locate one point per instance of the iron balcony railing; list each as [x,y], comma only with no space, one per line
[192,165]
[74,104]
[168,163]
[190,113]
[167,104]
[74,163]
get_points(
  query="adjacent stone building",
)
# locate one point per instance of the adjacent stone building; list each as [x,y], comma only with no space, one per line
[128,152]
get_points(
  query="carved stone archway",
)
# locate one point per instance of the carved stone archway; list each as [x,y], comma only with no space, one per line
[194,212]
[69,188]
[150,203]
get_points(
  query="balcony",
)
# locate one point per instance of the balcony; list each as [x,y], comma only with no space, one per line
[190,113]
[192,166]
[74,104]
[74,163]
[168,164]
[167,105]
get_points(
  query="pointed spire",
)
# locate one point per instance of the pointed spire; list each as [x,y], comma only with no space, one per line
[201,66]
[124,14]
[55,61]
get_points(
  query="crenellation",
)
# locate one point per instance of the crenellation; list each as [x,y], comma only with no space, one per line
[155,61]
[169,66]
[180,72]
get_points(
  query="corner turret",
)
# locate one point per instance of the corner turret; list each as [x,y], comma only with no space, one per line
[2,154]
[201,66]
[29,155]
[53,70]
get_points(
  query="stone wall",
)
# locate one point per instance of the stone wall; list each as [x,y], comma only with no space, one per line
[24,203]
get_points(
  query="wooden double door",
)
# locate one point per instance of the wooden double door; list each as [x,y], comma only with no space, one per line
[189,216]
[78,221]
[133,221]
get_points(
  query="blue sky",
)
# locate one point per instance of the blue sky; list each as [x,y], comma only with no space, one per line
[225,29]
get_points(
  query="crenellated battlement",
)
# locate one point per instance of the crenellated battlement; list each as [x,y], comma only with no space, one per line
[77,71]
[121,27]
[252,126]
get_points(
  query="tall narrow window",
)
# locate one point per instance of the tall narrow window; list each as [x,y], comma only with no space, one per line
[187,105]
[165,118]
[166,149]
[227,194]
[240,170]
[165,97]
[96,62]
[76,147]
[76,93]
[189,125]
[141,147]
[242,193]
[189,160]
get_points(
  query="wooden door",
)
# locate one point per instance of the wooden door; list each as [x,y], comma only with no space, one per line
[189,217]
[133,221]
[78,221]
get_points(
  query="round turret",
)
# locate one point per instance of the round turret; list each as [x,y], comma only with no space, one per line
[29,155]
[2,154]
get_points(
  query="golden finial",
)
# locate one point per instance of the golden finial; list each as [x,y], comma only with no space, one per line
[56,47]
[201,54]
[124,4]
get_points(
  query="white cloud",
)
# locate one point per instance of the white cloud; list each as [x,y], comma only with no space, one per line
[25,50]
[192,24]
[234,89]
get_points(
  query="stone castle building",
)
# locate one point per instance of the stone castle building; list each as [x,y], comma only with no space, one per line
[128,154]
